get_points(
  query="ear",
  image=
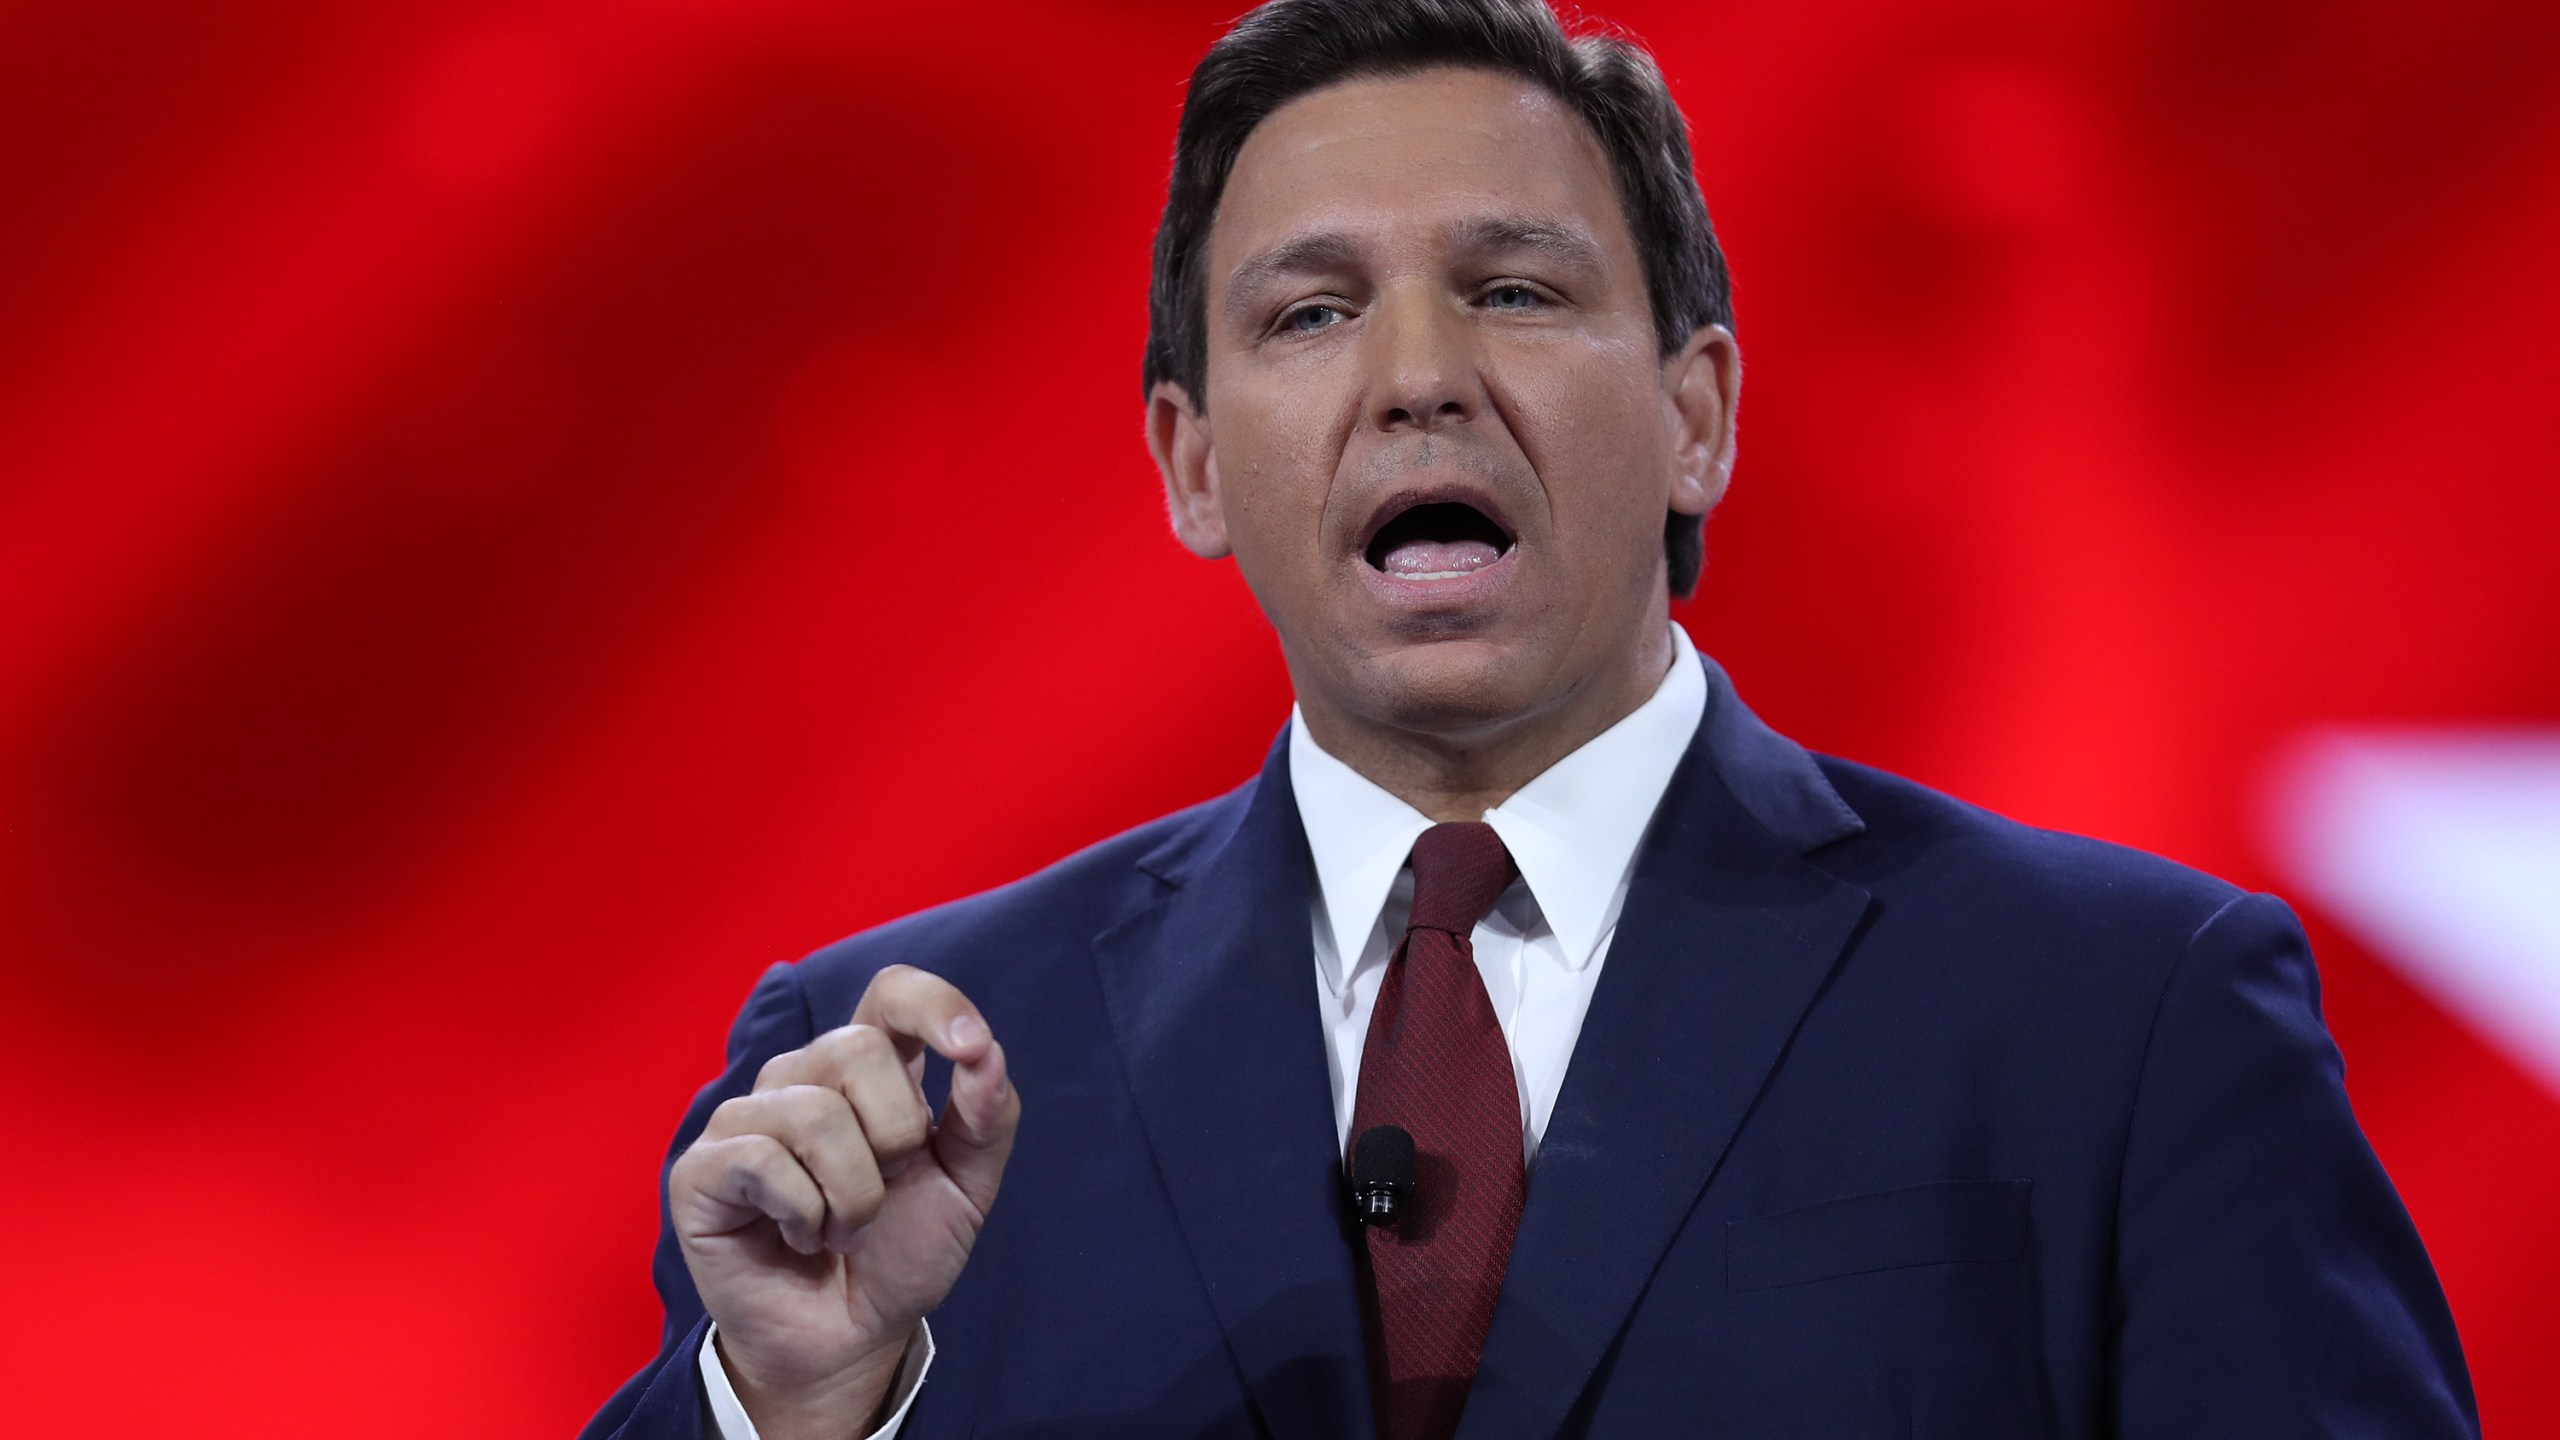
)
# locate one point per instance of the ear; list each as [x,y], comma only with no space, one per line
[1178,438]
[1700,387]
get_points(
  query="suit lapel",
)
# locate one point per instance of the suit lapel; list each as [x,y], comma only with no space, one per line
[1211,994]
[1726,939]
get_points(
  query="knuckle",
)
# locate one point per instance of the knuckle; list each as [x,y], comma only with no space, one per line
[729,1117]
[688,1171]
[808,1109]
[775,1200]
[861,1196]
[923,987]
[712,1164]
[743,1154]
[823,1058]
[901,1131]
[842,1156]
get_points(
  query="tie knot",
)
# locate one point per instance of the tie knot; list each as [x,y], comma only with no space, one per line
[1459,870]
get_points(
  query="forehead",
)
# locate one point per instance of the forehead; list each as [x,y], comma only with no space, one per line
[1384,156]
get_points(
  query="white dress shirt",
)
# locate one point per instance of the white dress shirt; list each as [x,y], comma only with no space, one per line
[1573,831]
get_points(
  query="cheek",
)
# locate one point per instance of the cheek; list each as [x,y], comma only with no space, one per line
[1273,480]
[1606,455]
[1276,465]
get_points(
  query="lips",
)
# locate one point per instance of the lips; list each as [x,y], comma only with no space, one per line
[1427,536]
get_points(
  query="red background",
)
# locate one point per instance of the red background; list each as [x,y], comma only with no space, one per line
[515,516]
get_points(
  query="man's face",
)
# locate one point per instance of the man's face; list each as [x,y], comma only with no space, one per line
[1439,435]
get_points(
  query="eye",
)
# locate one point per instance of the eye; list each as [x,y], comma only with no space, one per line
[1309,318]
[1511,295]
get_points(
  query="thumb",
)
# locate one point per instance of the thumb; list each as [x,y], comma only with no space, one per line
[976,1133]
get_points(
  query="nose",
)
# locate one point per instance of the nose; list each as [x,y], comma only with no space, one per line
[1423,372]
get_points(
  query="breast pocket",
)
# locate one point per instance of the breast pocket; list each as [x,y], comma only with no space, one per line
[1948,1222]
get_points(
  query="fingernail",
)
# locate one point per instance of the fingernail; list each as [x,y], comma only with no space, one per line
[965,1032]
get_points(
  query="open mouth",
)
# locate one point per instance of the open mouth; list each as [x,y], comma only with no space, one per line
[1440,541]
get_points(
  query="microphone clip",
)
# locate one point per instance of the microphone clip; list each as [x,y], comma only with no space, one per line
[1381,1174]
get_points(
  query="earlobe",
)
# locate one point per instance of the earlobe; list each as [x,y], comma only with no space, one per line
[1701,385]
[1178,438]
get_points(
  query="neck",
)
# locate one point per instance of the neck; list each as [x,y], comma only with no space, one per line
[1460,773]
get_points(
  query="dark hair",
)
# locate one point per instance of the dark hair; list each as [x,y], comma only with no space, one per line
[1286,48]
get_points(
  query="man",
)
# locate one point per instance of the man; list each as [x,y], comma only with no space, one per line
[1753,1093]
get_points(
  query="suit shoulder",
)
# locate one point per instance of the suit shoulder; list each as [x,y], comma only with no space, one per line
[1917,837]
[1064,903]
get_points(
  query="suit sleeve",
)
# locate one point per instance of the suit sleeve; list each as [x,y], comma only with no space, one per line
[2268,1281]
[665,1400]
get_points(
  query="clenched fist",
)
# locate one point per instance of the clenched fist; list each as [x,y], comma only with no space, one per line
[824,1214]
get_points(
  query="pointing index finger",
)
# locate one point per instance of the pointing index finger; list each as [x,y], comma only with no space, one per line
[920,1011]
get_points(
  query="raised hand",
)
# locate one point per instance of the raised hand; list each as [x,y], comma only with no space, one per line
[825,1213]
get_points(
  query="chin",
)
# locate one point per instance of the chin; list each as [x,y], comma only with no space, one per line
[1447,687]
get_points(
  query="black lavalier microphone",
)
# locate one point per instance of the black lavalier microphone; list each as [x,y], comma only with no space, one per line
[1381,1174]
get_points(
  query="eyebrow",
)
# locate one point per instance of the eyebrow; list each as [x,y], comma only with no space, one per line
[1508,233]
[1314,254]
[1326,251]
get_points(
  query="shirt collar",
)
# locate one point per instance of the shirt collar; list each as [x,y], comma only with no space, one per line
[1573,830]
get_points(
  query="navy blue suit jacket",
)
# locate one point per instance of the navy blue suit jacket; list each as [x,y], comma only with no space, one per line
[1890,1118]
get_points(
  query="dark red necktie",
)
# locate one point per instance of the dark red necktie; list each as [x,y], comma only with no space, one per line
[1436,1064]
